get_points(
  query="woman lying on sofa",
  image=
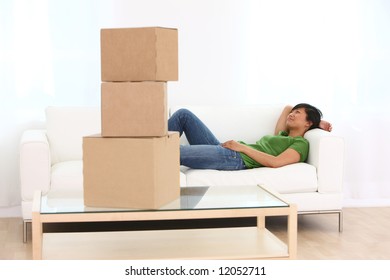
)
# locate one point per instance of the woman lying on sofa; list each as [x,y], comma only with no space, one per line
[287,146]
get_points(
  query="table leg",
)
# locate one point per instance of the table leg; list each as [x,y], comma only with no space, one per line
[260,222]
[37,228]
[292,225]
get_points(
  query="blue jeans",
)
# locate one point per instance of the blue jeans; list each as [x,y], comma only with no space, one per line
[204,151]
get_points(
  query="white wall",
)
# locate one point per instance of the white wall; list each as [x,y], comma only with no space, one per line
[334,54]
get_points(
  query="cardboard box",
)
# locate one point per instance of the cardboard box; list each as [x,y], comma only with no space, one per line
[141,173]
[134,109]
[139,54]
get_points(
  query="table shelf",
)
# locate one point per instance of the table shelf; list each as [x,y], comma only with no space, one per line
[217,243]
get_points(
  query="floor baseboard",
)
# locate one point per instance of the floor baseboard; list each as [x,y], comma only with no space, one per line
[367,202]
[10,212]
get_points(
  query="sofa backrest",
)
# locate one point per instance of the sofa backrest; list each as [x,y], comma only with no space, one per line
[66,127]
[240,123]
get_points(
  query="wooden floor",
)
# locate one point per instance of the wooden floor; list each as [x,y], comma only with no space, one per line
[366,236]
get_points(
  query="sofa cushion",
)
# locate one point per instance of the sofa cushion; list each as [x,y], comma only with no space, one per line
[68,176]
[294,178]
[66,127]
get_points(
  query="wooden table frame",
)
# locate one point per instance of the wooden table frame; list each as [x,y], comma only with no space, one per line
[38,219]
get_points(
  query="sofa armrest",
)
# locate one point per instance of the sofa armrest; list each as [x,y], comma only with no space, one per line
[35,163]
[327,155]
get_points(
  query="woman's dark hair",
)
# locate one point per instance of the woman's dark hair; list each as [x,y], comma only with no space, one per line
[313,114]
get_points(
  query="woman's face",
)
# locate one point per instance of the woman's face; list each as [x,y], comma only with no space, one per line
[297,119]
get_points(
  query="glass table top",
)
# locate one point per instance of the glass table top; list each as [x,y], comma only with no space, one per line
[191,198]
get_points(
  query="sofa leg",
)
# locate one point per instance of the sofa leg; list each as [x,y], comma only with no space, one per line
[341,221]
[339,212]
[25,222]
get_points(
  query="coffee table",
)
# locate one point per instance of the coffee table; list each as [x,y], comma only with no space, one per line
[198,243]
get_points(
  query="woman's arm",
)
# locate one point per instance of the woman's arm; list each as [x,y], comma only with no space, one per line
[281,124]
[289,156]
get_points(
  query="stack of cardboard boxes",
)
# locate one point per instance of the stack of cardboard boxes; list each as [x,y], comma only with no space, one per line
[134,163]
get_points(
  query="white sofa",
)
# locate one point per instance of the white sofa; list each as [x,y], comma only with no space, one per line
[51,159]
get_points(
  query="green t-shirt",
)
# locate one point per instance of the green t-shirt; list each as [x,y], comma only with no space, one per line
[275,145]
